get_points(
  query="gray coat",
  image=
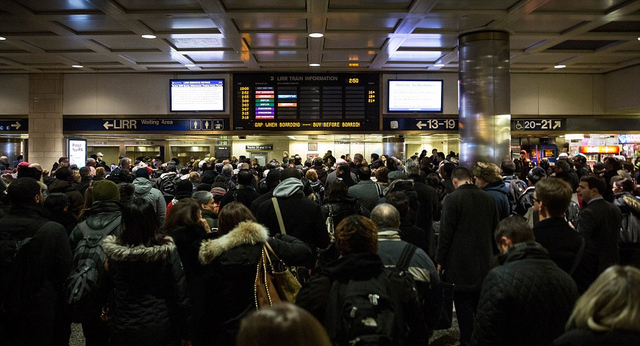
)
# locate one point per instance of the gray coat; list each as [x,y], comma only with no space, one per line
[144,188]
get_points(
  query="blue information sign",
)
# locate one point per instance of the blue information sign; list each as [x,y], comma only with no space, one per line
[14,125]
[421,124]
[144,125]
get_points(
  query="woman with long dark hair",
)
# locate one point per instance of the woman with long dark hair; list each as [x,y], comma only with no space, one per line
[150,300]
[231,262]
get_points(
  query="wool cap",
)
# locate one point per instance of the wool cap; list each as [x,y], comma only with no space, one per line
[184,189]
[105,190]
[142,172]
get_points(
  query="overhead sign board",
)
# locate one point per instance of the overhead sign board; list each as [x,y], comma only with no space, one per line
[144,125]
[421,124]
[259,147]
[538,124]
[14,125]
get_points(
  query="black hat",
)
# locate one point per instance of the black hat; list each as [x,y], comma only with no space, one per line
[184,189]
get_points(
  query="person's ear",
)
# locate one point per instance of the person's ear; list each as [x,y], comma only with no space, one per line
[38,198]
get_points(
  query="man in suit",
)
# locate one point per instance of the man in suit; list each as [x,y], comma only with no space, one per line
[366,191]
[465,247]
[599,221]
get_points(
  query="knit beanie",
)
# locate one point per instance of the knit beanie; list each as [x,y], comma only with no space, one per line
[184,189]
[105,190]
[142,172]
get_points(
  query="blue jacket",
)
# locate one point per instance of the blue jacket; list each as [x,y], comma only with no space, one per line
[500,193]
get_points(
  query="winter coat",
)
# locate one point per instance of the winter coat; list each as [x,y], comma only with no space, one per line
[600,223]
[630,231]
[588,337]
[469,217]
[525,301]
[151,304]
[76,199]
[243,194]
[97,218]
[144,188]
[230,265]
[342,208]
[314,296]
[302,217]
[367,192]
[211,217]
[500,193]
[430,210]
[47,322]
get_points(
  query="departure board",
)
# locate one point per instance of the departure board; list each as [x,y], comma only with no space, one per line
[303,101]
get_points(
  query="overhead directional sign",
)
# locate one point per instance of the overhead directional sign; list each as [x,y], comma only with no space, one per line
[421,124]
[144,125]
[14,125]
[538,124]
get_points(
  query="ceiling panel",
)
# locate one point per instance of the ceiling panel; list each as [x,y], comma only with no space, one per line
[596,36]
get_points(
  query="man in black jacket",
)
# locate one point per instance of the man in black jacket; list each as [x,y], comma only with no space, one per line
[45,321]
[528,299]
[464,256]
[599,221]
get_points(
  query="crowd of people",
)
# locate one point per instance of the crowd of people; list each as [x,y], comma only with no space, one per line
[537,254]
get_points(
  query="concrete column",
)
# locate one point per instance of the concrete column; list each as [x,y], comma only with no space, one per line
[485,119]
[393,146]
[45,119]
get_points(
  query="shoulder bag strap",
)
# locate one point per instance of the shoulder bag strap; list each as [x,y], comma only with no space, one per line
[405,257]
[276,206]
[270,250]
[379,189]
[579,254]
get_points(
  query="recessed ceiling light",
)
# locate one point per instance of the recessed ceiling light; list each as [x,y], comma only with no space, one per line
[77,66]
[314,65]
[316,34]
[149,36]
[560,66]
[4,38]
[189,65]
[439,65]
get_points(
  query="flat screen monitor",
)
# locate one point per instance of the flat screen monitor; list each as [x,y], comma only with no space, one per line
[197,95]
[414,95]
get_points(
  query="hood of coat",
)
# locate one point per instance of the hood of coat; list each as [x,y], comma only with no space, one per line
[125,253]
[245,233]
[59,186]
[142,185]
[359,266]
[499,186]
[288,187]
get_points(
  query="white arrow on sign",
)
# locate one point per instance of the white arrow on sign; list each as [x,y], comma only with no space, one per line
[557,124]
[107,125]
[420,125]
[16,125]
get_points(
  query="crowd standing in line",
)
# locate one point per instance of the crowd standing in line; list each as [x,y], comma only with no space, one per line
[148,252]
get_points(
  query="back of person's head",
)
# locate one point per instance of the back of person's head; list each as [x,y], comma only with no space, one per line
[56,203]
[400,201]
[26,171]
[185,213]
[382,175]
[311,174]
[447,170]
[487,171]
[202,197]
[626,184]
[140,224]
[127,191]
[183,189]
[555,195]
[536,174]
[356,234]
[336,191]
[231,215]
[364,173]
[318,161]
[514,228]
[595,182]
[227,169]
[612,302]
[171,167]
[433,180]
[283,324]
[580,159]
[64,173]
[105,190]
[23,191]
[461,174]
[412,168]
[385,215]
[245,177]
[508,167]
[85,171]
[613,163]
[289,172]
[374,157]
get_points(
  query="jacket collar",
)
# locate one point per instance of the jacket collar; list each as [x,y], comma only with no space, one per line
[529,250]
[137,253]
[245,233]
[354,266]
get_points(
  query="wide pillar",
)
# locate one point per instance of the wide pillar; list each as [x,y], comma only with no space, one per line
[45,119]
[485,119]
[393,146]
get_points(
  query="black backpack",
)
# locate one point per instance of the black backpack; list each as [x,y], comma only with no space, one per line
[89,258]
[168,184]
[20,280]
[370,313]
[516,189]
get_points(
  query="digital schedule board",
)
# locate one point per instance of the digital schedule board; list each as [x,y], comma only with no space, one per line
[304,101]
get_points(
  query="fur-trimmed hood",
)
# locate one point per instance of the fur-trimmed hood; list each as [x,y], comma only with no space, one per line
[126,253]
[247,232]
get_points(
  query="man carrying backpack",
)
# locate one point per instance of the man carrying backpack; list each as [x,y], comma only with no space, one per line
[103,218]
[36,260]
[515,186]
[358,300]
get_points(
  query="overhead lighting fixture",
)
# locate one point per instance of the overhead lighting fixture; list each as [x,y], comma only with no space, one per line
[149,37]
[2,38]
[292,137]
[77,66]
[314,65]
[354,64]
[439,64]
[189,65]
[560,66]
[316,34]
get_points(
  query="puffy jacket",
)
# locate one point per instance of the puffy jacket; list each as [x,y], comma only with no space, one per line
[630,231]
[525,301]
[151,304]
[76,199]
[99,216]
[144,188]
[230,263]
